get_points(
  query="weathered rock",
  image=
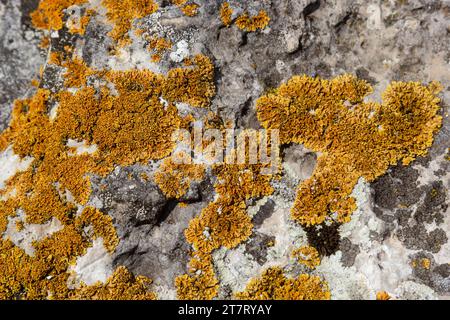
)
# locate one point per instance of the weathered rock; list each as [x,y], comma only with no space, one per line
[402,216]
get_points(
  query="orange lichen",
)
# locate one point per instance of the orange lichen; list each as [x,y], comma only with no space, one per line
[179,3]
[131,127]
[383,295]
[156,58]
[55,58]
[144,176]
[45,43]
[174,178]
[225,14]
[122,13]
[424,263]
[128,126]
[35,83]
[102,226]
[190,10]
[307,256]
[79,26]
[201,284]
[159,44]
[356,138]
[77,72]
[270,243]
[193,85]
[122,285]
[274,285]
[241,182]
[221,223]
[19,225]
[252,24]
[37,277]
[224,222]
[49,14]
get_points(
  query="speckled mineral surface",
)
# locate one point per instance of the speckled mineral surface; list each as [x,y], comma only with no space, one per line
[95,205]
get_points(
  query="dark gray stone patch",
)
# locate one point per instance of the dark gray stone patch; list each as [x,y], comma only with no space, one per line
[325,238]
[349,252]
[416,237]
[397,188]
[129,200]
[434,205]
[257,246]
[150,227]
[407,208]
[436,276]
[264,212]
[20,57]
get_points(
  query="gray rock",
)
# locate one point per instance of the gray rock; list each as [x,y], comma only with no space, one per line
[379,41]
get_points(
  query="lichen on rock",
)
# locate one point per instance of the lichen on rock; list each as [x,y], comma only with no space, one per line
[356,138]
[274,285]
[95,205]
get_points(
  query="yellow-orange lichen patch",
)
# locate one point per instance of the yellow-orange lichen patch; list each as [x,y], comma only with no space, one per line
[201,283]
[77,72]
[383,295]
[131,127]
[424,263]
[7,209]
[193,84]
[22,276]
[179,3]
[79,25]
[35,83]
[127,126]
[356,138]
[159,44]
[45,43]
[19,225]
[241,182]
[49,14]
[155,58]
[307,256]
[122,13]
[190,10]
[225,14]
[122,285]
[174,178]
[55,58]
[102,226]
[253,23]
[274,285]
[224,222]
[221,223]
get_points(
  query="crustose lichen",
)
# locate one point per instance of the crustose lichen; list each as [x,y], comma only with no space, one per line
[356,138]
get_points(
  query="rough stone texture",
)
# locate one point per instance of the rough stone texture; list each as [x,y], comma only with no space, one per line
[20,58]
[403,216]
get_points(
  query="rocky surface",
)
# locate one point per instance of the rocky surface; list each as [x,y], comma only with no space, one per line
[402,218]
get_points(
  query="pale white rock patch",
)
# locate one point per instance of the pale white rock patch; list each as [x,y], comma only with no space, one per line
[94,266]
[31,232]
[11,164]
[181,52]
[81,147]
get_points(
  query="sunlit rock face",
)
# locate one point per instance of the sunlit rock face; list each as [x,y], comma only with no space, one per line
[92,201]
